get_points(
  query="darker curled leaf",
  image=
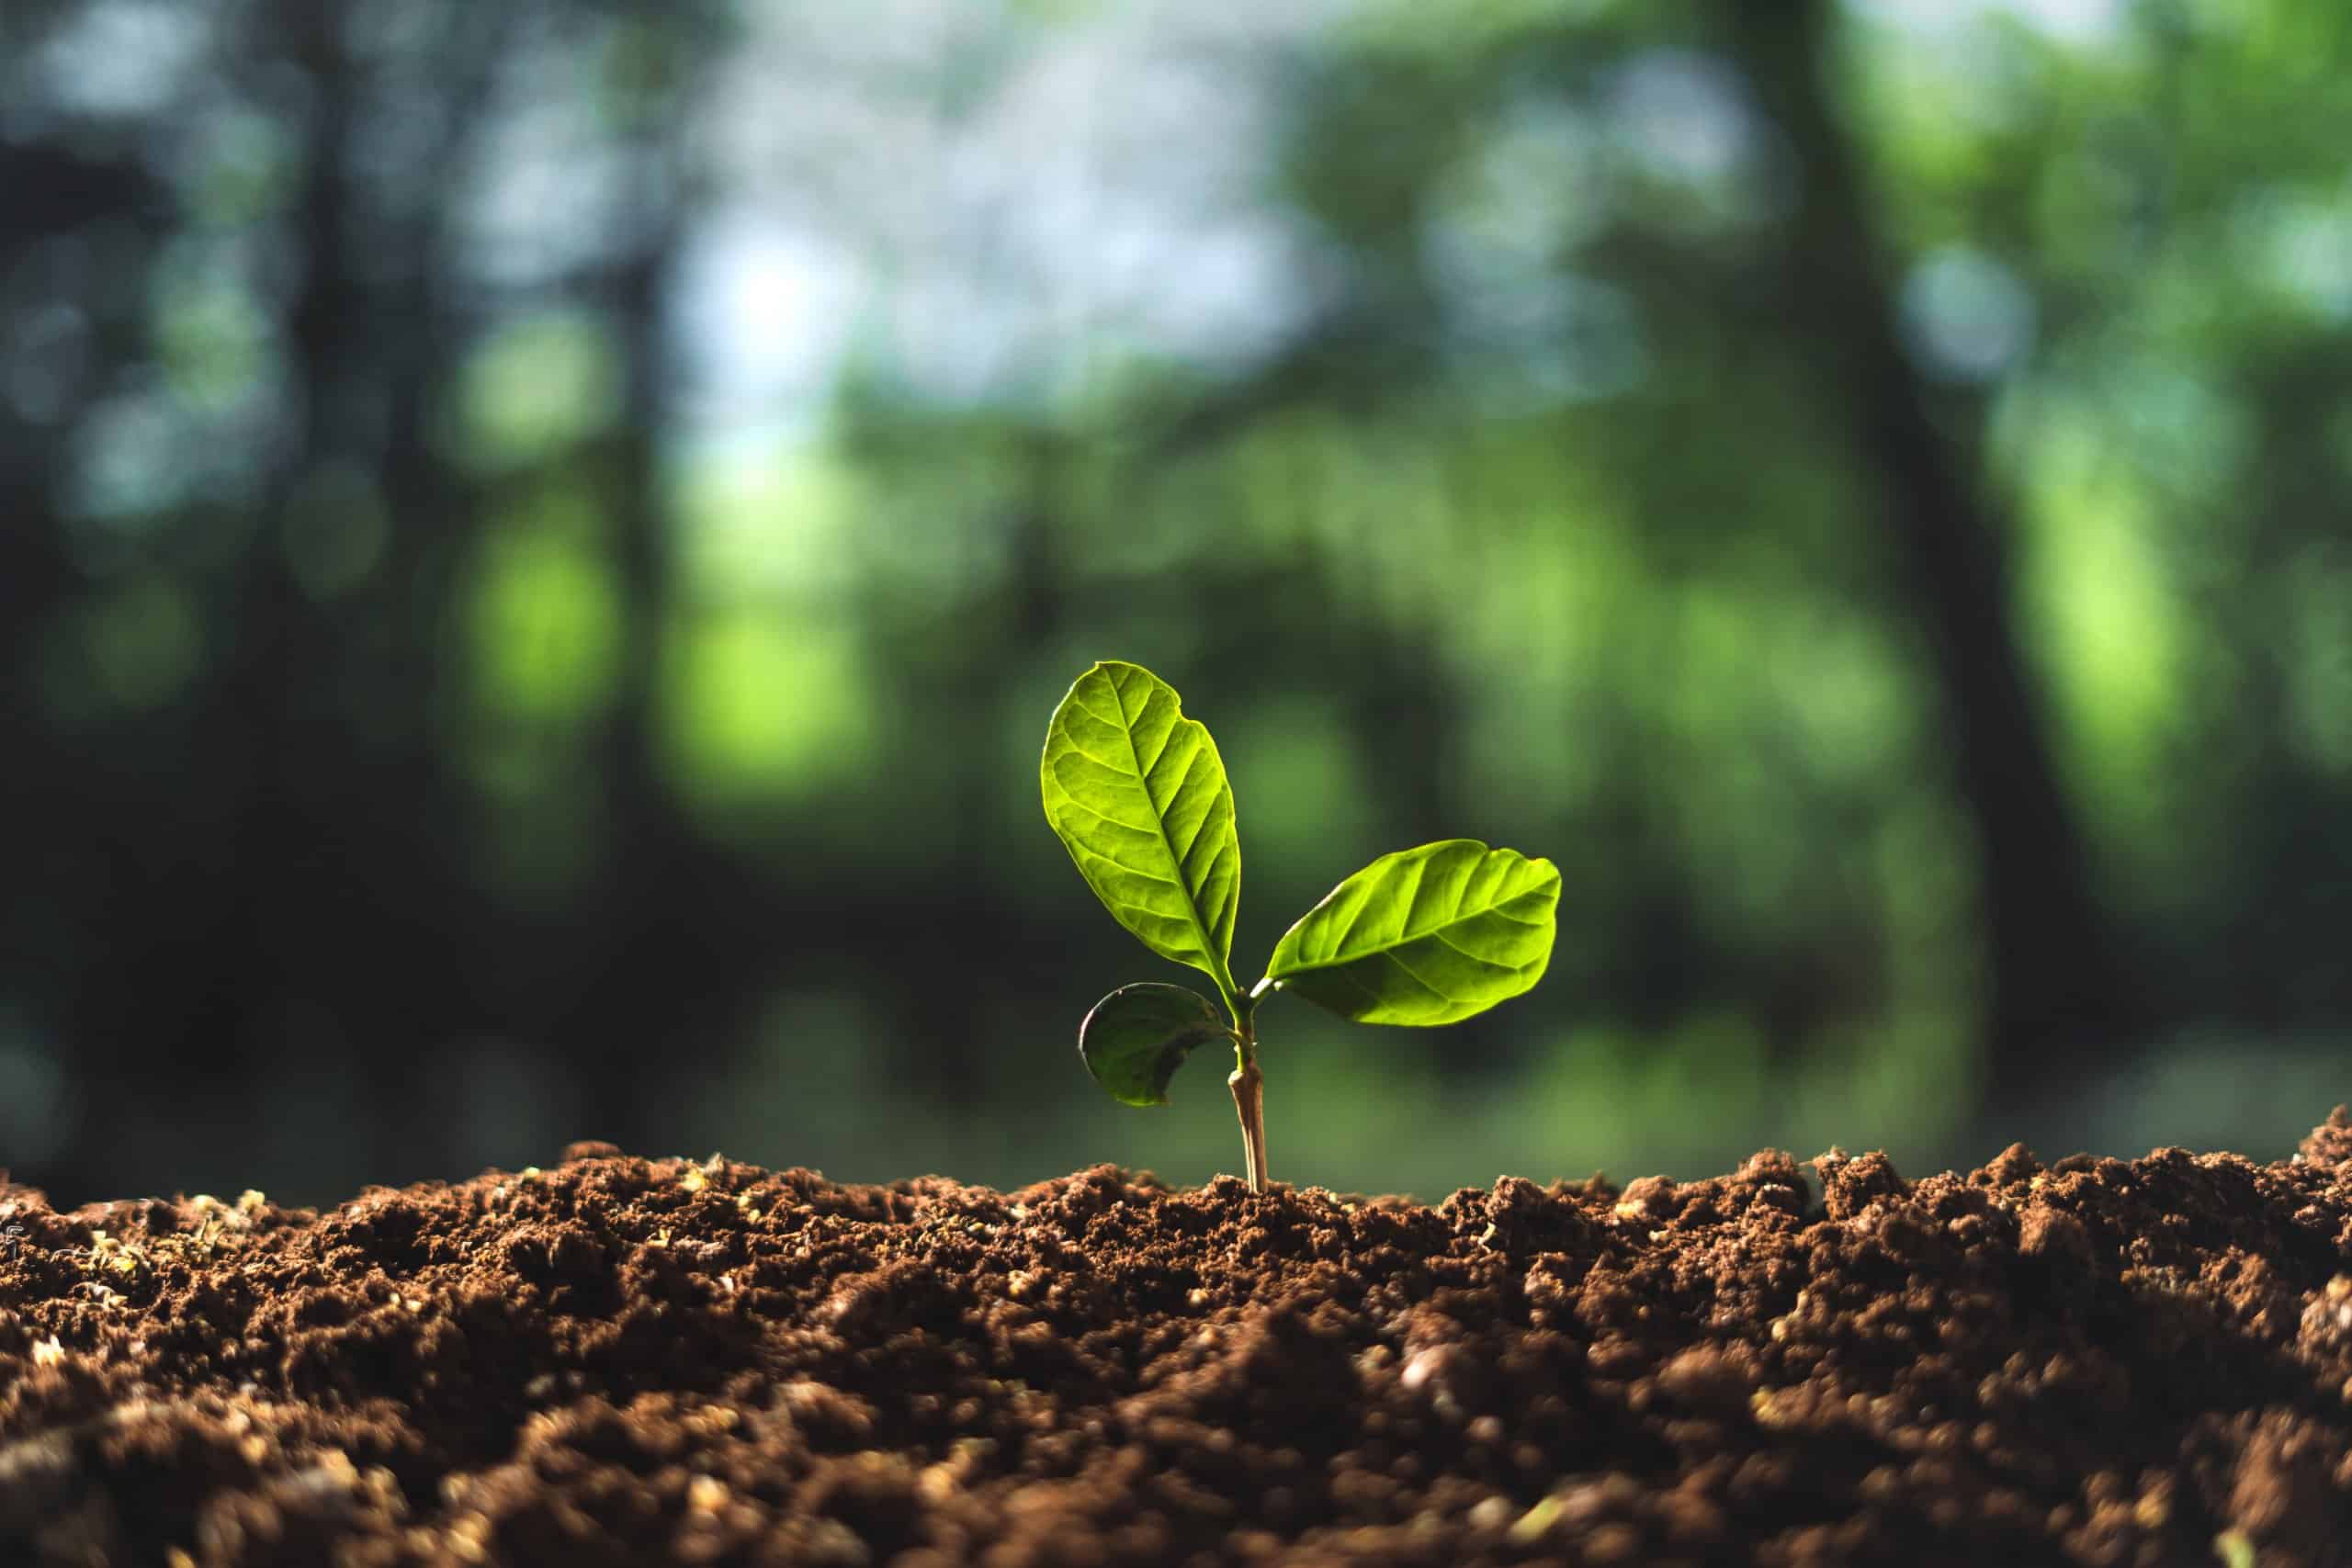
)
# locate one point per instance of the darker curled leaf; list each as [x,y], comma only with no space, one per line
[1137,1037]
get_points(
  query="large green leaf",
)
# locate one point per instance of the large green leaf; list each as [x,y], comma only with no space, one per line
[1425,935]
[1138,1035]
[1138,793]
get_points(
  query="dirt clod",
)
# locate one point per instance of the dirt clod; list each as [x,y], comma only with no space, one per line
[620,1361]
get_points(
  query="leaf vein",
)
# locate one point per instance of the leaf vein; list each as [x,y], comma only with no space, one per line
[1096,810]
[1413,975]
[1117,864]
[1474,957]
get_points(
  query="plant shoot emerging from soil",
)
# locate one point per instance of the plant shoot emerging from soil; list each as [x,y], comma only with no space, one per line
[1138,793]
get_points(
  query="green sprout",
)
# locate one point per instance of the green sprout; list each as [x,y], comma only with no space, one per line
[1138,793]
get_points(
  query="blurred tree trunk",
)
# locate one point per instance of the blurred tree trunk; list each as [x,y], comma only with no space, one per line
[675,924]
[348,932]
[641,958]
[50,192]
[2059,1004]
[275,968]
[413,602]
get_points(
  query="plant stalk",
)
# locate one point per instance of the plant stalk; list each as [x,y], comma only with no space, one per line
[1249,1087]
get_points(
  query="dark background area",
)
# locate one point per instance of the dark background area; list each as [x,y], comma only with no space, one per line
[537,542]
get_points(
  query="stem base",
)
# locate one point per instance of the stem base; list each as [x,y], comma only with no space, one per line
[1249,1087]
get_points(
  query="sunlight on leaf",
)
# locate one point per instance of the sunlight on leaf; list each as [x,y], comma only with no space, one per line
[1424,936]
[1138,795]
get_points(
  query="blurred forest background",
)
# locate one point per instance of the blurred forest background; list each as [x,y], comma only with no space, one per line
[538,541]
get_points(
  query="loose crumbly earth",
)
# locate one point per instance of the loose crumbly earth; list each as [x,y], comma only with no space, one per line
[625,1361]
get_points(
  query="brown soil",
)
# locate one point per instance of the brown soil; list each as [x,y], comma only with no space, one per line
[639,1361]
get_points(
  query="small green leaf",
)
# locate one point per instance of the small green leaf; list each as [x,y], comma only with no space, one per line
[1139,794]
[1138,1035]
[1425,935]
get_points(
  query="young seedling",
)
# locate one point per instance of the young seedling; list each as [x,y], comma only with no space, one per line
[1138,793]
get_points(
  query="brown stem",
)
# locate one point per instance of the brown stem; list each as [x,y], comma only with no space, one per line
[1249,1087]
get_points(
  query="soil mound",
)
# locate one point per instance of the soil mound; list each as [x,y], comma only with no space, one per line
[625,1361]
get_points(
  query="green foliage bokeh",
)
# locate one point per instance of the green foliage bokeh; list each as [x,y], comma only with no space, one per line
[1499,489]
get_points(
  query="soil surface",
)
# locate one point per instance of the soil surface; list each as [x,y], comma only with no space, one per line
[623,1361]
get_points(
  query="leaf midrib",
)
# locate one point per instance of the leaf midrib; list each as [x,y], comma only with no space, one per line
[1222,974]
[1341,960]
